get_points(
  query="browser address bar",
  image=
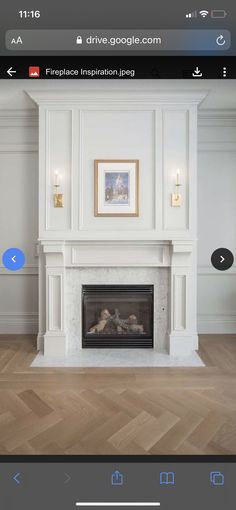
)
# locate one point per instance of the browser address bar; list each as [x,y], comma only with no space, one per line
[118,40]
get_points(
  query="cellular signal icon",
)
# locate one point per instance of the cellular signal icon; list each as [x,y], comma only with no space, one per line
[203,14]
[191,14]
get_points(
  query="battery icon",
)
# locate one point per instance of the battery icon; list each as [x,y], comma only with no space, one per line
[218,14]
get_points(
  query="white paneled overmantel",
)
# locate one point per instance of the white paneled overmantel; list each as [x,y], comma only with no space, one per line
[160,130]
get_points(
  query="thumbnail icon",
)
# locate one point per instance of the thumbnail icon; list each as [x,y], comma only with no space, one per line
[217,478]
[117,478]
[34,72]
[167,478]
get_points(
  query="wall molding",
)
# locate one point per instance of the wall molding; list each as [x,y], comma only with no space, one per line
[18,118]
[14,324]
[29,117]
[12,148]
[216,324]
[211,271]
[116,97]
[217,118]
[27,270]
[216,146]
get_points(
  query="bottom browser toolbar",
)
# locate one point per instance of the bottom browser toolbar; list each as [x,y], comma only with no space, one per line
[138,483]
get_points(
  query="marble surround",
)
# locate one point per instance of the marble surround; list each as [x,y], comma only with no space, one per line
[76,277]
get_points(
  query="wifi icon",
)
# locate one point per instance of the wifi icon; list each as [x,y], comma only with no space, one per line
[204,13]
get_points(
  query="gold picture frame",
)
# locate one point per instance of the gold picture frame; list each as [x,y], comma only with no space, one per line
[116,187]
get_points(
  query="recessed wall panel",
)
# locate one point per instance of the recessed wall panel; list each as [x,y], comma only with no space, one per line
[58,159]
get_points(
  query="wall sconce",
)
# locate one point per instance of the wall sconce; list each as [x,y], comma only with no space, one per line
[58,198]
[176,197]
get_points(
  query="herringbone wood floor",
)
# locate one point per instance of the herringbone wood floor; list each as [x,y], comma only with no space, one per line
[118,411]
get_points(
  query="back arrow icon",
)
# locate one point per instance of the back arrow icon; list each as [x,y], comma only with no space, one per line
[11,72]
[15,477]
[221,259]
[14,259]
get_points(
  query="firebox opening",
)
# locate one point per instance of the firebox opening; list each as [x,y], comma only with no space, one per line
[117,316]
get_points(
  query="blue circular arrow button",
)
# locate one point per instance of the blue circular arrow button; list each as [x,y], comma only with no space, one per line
[13,259]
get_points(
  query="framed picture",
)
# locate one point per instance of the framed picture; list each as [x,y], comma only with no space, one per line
[116,187]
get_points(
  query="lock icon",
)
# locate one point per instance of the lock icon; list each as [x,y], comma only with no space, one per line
[79,40]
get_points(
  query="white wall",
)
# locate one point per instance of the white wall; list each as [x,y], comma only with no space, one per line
[216,222]
[18,209]
[18,220]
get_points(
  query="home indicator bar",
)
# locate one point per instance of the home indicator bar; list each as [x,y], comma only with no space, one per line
[117,504]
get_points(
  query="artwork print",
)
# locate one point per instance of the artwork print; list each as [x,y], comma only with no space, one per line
[117,188]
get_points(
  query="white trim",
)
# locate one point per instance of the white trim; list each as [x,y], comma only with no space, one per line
[217,146]
[29,117]
[216,324]
[27,270]
[18,118]
[132,97]
[217,118]
[211,271]
[14,324]
[10,148]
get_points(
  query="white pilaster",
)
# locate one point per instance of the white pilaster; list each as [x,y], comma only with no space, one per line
[183,338]
[55,336]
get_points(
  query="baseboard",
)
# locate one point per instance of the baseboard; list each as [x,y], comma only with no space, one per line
[40,342]
[13,324]
[213,326]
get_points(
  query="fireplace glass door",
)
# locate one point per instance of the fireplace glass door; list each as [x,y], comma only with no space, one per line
[117,316]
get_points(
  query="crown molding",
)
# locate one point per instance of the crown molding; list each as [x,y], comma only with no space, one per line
[115,96]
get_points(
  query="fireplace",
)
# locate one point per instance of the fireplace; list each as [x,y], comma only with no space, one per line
[117,316]
[77,248]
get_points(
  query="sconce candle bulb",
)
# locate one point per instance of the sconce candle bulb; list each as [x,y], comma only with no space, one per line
[177,178]
[176,197]
[58,198]
[56,178]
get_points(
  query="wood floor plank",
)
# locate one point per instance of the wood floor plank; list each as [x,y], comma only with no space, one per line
[134,411]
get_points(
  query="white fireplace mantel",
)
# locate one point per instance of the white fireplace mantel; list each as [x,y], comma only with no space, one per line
[182,337]
[160,130]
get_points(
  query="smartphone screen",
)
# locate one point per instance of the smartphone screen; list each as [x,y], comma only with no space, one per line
[117,254]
